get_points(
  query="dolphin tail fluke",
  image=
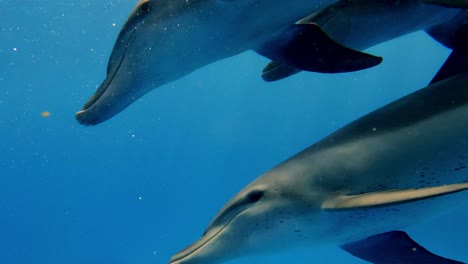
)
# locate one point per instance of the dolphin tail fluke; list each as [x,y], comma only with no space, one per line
[457,62]
[393,247]
[307,47]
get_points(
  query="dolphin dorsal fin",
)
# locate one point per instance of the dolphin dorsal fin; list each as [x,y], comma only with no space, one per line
[390,197]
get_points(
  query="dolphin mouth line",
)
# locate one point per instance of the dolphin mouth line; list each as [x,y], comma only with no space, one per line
[101,90]
[206,241]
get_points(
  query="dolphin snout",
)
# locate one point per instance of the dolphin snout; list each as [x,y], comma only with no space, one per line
[93,116]
[116,93]
[83,119]
[105,108]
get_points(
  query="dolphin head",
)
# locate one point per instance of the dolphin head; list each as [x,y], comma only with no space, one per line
[160,42]
[251,224]
[126,80]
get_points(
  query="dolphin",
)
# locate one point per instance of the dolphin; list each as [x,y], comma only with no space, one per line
[361,24]
[356,188]
[449,3]
[164,40]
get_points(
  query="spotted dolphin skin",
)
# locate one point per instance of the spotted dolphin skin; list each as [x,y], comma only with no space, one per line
[164,40]
[355,188]
[361,24]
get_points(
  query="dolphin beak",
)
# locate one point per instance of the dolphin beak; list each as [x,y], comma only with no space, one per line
[114,95]
[190,253]
[182,256]
[204,250]
[116,92]
[100,107]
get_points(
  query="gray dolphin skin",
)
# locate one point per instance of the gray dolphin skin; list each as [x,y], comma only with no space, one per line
[164,40]
[449,3]
[394,167]
[361,24]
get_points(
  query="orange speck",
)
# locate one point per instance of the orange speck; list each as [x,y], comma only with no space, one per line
[45,114]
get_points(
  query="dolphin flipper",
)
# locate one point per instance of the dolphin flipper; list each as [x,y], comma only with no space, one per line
[307,47]
[393,247]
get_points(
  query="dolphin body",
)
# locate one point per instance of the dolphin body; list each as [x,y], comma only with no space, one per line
[164,40]
[396,166]
[449,3]
[361,24]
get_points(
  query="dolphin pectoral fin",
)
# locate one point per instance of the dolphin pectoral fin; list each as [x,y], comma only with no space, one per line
[307,47]
[391,197]
[393,247]
[275,71]
[448,3]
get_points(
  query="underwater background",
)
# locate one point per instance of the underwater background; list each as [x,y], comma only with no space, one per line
[145,184]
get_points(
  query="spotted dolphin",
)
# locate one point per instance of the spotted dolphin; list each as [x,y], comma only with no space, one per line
[361,24]
[164,40]
[391,168]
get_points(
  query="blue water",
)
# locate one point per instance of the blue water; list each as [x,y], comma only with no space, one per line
[145,184]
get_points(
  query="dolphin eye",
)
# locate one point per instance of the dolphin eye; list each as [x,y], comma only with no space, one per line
[254,196]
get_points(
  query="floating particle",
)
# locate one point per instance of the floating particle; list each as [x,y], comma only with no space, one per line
[45,114]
